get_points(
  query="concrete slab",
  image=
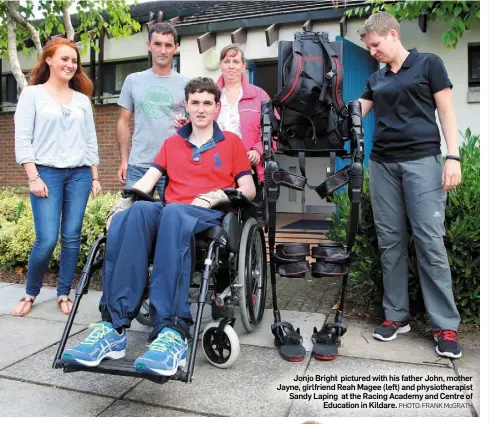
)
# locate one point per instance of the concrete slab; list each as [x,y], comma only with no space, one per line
[409,348]
[19,399]
[125,408]
[22,337]
[13,292]
[470,360]
[2,285]
[263,336]
[248,388]
[353,367]
[87,311]
[40,370]
[469,366]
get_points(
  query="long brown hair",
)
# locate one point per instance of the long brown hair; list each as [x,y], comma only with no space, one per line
[40,73]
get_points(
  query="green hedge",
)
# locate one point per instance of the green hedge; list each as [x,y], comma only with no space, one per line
[462,241]
[17,227]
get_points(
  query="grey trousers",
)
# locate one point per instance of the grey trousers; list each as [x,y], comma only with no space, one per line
[413,190]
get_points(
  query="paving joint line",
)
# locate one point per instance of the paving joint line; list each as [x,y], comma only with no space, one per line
[155,405]
[39,351]
[289,410]
[398,362]
[55,386]
[473,411]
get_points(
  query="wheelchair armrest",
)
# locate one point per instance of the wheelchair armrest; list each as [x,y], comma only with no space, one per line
[239,200]
[137,194]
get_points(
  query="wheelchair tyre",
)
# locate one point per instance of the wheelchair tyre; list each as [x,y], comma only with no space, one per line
[222,354]
[252,275]
[143,316]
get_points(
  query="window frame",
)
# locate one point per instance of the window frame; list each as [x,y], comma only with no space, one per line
[472,48]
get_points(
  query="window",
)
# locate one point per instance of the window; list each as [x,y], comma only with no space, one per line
[9,89]
[115,73]
[474,65]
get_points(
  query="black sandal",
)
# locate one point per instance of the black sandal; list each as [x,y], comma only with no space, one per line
[289,341]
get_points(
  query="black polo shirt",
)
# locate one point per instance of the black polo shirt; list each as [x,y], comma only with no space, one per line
[405,108]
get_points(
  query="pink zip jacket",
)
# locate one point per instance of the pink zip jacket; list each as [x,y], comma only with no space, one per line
[249,116]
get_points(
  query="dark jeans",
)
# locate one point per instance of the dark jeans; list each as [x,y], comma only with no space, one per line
[136,235]
[135,173]
[68,191]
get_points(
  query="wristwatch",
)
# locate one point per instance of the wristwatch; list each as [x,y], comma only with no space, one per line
[453,157]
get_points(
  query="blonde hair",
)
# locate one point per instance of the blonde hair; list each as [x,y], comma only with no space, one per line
[380,23]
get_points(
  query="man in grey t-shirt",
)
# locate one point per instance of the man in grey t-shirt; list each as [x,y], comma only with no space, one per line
[156,97]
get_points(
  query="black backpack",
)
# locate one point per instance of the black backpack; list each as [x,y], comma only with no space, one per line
[310,100]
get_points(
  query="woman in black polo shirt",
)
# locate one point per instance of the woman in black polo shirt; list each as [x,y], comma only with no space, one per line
[408,179]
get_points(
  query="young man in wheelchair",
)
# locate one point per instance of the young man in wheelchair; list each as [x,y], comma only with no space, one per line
[199,162]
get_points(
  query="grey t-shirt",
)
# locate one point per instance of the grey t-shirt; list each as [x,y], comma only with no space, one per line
[155,100]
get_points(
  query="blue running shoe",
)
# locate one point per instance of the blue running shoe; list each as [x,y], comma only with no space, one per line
[163,357]
[103,342]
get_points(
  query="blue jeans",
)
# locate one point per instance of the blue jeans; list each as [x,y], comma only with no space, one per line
[152,230]
[135,173]
[68,191]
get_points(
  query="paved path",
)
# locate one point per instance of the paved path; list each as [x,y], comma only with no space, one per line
[30,387]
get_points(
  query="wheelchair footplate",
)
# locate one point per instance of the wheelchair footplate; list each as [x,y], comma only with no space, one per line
[124,367]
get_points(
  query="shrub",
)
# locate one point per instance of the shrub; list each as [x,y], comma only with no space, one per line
[462,241]
[17,233]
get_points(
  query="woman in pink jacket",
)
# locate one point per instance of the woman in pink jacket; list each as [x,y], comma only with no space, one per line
[240,107]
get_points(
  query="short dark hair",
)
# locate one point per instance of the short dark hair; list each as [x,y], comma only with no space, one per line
[163,28]
[201,84]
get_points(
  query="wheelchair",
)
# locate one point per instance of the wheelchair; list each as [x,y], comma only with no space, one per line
[232,261]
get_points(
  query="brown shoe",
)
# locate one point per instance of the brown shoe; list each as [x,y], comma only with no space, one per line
[24,306]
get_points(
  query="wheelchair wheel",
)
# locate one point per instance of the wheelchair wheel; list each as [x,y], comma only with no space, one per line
[252,275]
[224,352]
[143,316]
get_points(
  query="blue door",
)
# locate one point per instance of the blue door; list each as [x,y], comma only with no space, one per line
[358,65]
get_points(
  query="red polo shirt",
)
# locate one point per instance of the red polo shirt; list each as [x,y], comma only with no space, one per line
[191,171]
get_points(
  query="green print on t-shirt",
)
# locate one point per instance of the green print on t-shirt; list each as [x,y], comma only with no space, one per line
[156,102]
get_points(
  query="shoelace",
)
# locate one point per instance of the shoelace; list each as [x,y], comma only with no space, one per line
[165,341]
[449,335]
[99,332]
[389,323]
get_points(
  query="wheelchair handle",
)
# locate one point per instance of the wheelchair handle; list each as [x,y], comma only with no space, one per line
[239,198]
[137,194]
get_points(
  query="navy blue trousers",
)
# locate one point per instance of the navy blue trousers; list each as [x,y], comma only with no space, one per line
[136,235]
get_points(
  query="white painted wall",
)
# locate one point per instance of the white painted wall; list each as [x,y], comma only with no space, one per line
[192,65]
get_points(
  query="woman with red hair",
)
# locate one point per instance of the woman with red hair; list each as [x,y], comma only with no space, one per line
[56,143]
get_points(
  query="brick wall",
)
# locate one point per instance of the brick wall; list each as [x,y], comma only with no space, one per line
[11,174]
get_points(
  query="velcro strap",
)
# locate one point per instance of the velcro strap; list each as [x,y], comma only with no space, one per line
[289,179]
[327,269]
[334,182]
[215,233]
[293,270]
[292,250]
[331,252]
